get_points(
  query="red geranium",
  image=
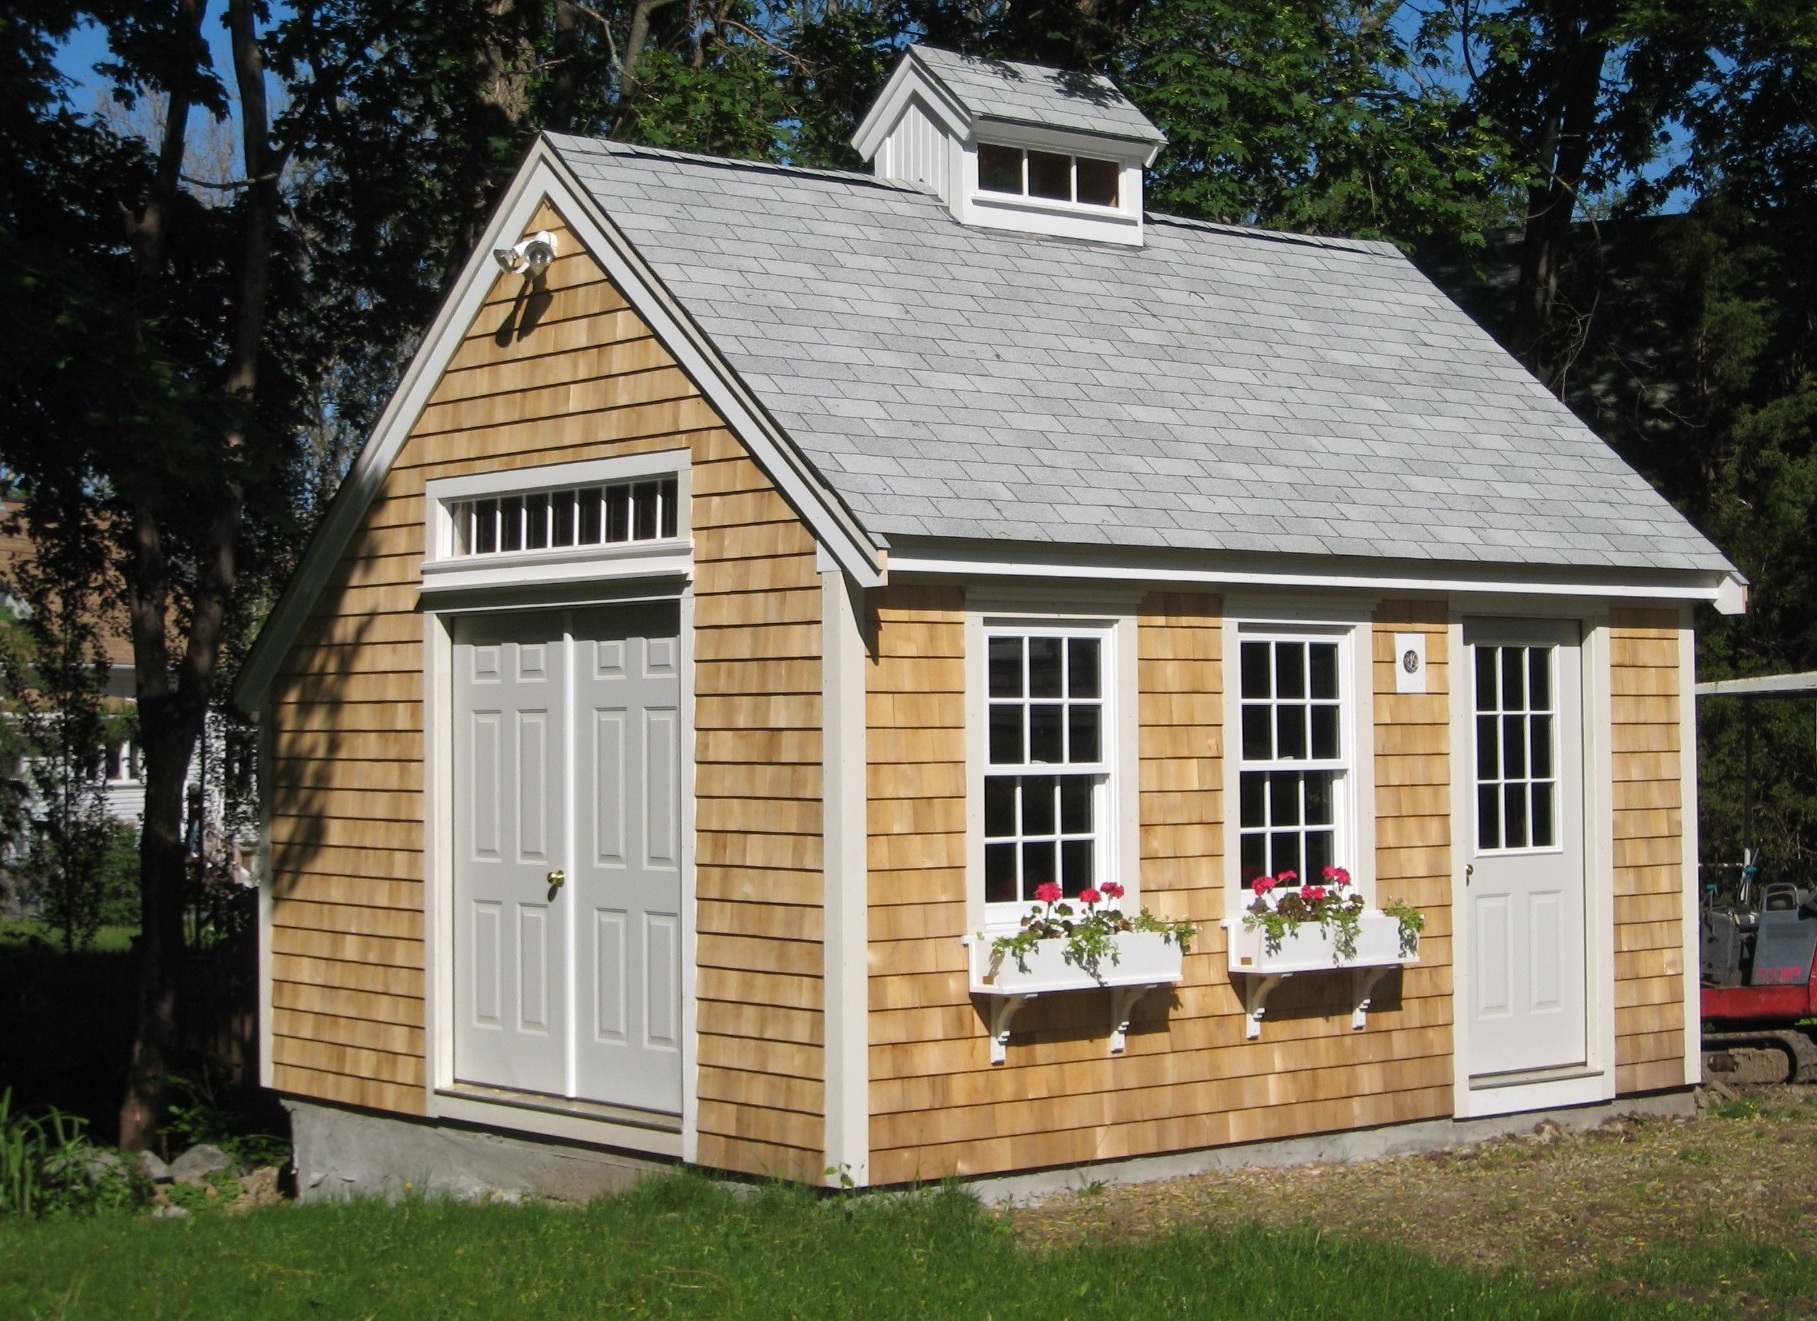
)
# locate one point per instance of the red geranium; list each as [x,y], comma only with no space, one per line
[1312,893]
[1337,876]
[1048,893]
[1112,890]
[1287,878]
[1089,896]
[1262,884]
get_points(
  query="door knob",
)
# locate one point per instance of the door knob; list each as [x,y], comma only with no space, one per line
[556,878]
[1469,871]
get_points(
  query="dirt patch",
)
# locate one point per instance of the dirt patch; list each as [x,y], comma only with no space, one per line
[1559,1206]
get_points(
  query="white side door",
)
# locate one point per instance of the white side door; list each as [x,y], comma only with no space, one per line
[511,998]
[627,856]
[1525,878]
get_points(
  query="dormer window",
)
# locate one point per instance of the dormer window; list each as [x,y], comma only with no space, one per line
[1050,175]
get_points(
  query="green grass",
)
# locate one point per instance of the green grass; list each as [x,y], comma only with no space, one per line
[22,935]
[682,1247]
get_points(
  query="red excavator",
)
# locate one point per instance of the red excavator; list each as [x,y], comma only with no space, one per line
[1758,930]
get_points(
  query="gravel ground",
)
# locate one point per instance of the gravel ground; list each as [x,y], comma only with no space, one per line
[1557,1206]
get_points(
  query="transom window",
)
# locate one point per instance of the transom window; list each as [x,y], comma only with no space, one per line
[1516,776]
[1051,175]
[1046,789]
[1293,765]
[573,516]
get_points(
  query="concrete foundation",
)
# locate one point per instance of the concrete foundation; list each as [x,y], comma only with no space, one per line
[1359,1144]
[342,1154]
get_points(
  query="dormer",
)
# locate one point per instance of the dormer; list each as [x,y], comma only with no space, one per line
[1013,146]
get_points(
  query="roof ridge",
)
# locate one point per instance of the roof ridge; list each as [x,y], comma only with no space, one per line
[613,147]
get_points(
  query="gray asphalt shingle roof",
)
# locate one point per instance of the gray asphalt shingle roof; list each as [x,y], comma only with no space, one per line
[1218,389]
[1034,94]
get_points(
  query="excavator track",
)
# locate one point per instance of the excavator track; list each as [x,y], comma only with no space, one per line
[1762,1055]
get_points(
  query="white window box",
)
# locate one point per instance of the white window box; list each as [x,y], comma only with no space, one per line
[1309,948]
[1145,960]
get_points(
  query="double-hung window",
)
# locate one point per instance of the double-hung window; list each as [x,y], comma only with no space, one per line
[1295,759]
[1048,765]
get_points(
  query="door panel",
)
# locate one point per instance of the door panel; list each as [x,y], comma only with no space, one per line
[1526,878]
[628,693]
[509,747]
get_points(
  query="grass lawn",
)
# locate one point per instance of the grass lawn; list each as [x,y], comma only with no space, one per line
[682,1247]
[26,935]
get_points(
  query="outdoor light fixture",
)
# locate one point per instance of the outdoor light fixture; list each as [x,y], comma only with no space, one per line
[531,256]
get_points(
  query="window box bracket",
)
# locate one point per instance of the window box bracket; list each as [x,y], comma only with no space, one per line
[1145,961]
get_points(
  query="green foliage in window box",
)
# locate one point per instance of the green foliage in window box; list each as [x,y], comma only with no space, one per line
[1089,931]
[1282,906]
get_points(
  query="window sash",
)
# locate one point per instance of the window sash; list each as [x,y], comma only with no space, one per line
[567,518]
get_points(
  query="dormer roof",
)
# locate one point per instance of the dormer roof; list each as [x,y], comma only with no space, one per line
[1009,92]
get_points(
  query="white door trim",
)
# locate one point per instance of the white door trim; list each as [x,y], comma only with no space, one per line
[440,1100]
[1595,1081]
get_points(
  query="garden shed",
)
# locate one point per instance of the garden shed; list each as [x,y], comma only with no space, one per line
[765,581]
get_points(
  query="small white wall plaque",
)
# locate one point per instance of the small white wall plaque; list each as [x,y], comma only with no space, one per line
[1409,662]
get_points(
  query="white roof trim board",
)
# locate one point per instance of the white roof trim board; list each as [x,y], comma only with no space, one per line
[908,381]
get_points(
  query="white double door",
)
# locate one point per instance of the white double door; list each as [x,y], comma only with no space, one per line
[567,854]
[1525,876]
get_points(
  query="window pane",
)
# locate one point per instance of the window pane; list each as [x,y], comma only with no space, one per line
[1082,667]
[1543,833]
[1289,669]
[485,526]
[1284,851]
[999,873]
[1044,667]
[1254,861]
[1044,733]
[511,523]
[1255,670]
[1514,747]
[1283,800]
[561,518]
[1488,817]
[671,495]
[1514,815]
[1319,799]
[587,502]
[1097,182]
[1082,733]
[1290,732]
[1539,686]
[643,511]
[1541,735]
[1037,866]
[1006,667]
[999,168]
[1323,658]
[1050,175]
[618,513]
[999,806]
[536,522]
[1075,805]
[1075,865]
[1258,734]
[1485,678]
[1319,854]
[1325,731]
[1253,793]
[1488,748]
[1512,680]
[1038,804]
[1006,736]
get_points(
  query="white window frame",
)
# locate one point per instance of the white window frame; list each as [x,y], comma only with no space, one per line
[1116,804]
[1354,792]
[1072,176]
[1472,769]
[444,569]
[1121,223]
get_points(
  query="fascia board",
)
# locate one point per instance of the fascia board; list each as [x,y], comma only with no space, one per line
[544,175]
[832,524]
[364,477]
[1078,141]
[911,76]
[957,560]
